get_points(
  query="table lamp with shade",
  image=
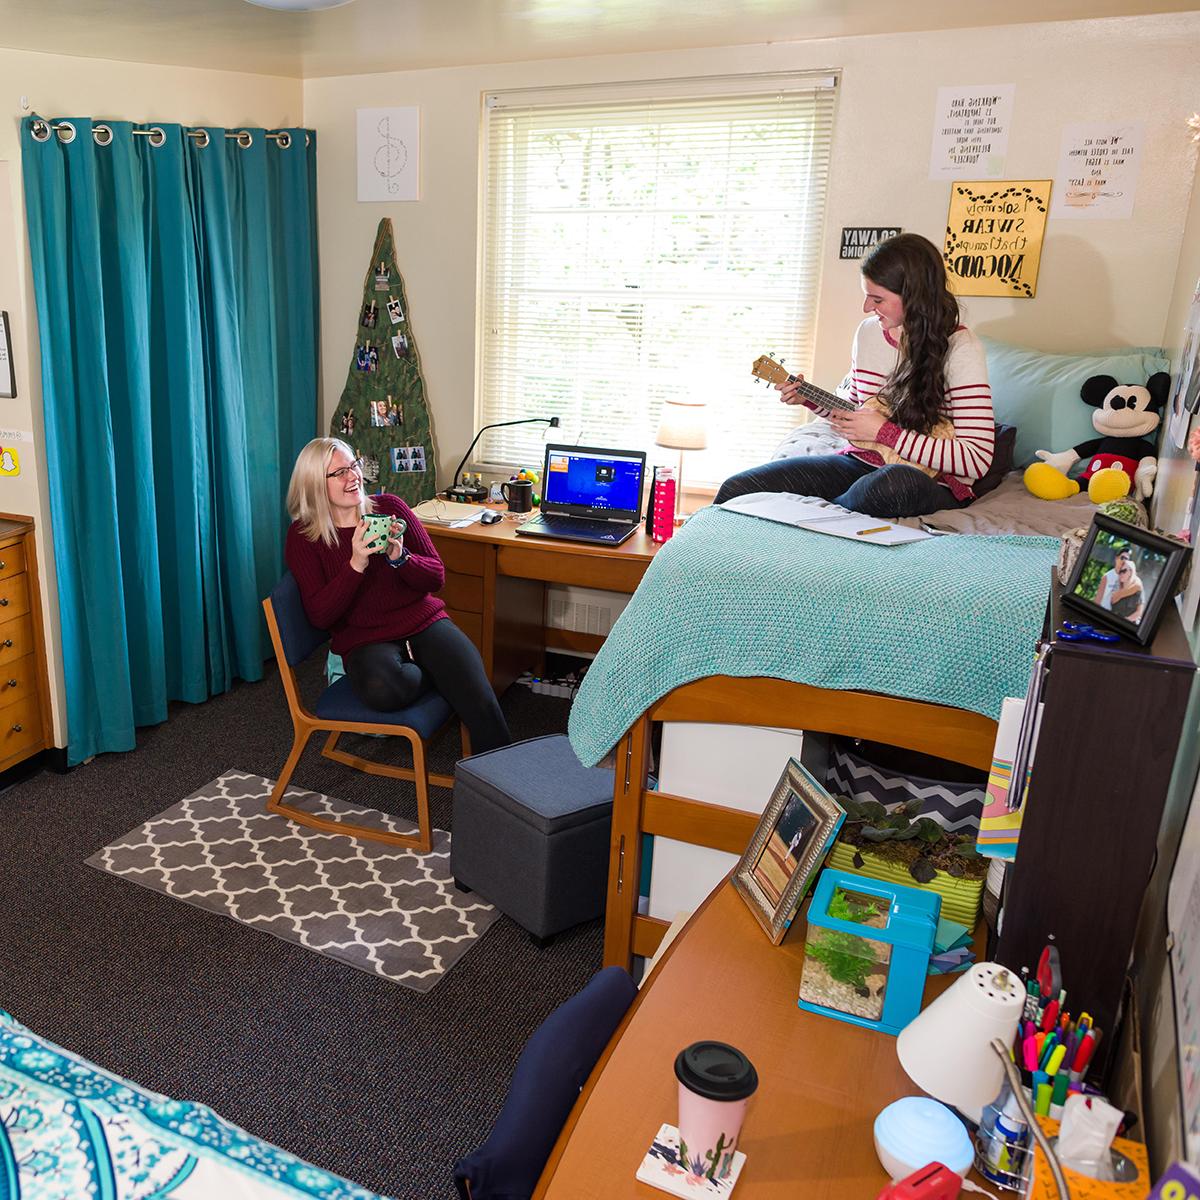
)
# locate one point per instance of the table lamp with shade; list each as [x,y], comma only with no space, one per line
[957,1050]
[681,427]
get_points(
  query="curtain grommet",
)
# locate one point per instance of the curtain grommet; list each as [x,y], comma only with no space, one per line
[245,138]
[66,132]
[200,137]
[283,139]
[158,136]
[102,135]
[307,139]
[39,130]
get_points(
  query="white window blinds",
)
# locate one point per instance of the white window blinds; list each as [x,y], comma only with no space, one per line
[644,247]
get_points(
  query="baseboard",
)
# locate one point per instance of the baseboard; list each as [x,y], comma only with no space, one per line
[52,759]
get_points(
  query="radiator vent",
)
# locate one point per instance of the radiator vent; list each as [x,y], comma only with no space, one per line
[584,610]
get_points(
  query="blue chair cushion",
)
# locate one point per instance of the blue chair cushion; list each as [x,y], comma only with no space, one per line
[541,782]
[300,637]
[547,1080]
[427,714]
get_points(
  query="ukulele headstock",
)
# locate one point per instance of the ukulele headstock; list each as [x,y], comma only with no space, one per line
[765,367]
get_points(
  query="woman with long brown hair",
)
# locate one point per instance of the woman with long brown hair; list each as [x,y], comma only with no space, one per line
[923,431]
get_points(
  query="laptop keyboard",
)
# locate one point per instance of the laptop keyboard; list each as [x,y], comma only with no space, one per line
[575,524]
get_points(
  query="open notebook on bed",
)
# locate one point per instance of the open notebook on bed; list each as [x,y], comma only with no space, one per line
[823,516]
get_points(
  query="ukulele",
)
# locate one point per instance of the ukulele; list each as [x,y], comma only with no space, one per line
[767,368]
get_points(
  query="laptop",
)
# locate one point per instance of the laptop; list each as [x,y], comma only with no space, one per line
[589,495]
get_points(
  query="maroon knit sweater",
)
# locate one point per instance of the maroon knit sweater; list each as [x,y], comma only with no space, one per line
[383,603]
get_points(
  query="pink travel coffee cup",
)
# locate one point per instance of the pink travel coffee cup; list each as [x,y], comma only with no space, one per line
[715,1083]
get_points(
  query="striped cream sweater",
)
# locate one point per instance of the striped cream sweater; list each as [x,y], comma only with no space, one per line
[960,459]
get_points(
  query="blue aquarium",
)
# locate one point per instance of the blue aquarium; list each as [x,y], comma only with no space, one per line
[866,952]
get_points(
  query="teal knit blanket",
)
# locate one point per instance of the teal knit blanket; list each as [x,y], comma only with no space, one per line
[953,620]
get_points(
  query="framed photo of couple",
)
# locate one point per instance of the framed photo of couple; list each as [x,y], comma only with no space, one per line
[789,846]
[1124,576]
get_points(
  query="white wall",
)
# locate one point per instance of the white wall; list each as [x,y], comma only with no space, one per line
[1101,283]
[57,86]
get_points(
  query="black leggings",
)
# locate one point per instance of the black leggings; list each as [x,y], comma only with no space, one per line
[892,491]
[443,657]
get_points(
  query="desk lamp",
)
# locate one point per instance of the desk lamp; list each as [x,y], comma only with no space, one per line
[468,492]
[957,1049]
[681,427]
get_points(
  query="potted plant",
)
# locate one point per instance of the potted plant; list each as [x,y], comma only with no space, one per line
[903,847]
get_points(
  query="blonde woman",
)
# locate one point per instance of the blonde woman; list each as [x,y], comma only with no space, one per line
[392,632]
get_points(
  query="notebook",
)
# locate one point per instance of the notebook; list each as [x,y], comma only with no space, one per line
[589,495]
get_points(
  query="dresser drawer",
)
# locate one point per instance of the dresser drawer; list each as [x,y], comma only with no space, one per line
[20,728]
[14,596]
[16,638]
[463,592]
[460,556]
[18,680]
[12,560]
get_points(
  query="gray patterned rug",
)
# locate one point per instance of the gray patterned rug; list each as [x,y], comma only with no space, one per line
[379,908]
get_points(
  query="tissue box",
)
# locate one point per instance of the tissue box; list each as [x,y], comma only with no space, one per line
[1083,1188]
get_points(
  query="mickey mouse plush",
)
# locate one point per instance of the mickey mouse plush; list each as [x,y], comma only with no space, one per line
[1123,456]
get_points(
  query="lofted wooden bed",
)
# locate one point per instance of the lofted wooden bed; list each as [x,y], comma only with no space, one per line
[951,733]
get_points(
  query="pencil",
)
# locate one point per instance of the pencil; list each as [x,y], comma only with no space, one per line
[876,529]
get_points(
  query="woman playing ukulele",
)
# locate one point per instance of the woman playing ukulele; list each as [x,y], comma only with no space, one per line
[928,370]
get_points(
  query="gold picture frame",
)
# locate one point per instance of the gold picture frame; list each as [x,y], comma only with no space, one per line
[794,834]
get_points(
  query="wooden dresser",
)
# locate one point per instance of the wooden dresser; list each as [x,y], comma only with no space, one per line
[25,724]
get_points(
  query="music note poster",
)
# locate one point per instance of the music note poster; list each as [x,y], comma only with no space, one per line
[389,154]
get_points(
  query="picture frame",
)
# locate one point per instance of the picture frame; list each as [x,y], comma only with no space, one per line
[789,846]
[1124,576]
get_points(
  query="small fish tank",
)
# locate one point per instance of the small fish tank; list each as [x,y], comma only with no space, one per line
[866,952]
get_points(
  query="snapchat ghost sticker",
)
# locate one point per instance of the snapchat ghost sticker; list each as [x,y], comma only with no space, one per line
[10,464]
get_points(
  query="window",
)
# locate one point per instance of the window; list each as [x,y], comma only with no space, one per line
[647,242]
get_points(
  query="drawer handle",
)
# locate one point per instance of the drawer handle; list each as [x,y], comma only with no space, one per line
[12,683]
[3,564]
[3,601]
[7,643]
[16,729]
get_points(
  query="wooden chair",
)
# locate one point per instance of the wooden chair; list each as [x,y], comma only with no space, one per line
[339,711]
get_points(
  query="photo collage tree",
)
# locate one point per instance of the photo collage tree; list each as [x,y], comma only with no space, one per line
[383,413]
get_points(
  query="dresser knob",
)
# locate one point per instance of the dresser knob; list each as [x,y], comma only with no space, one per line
[3,564]
[12,683]
[3,601]
[16,729]
[7,643]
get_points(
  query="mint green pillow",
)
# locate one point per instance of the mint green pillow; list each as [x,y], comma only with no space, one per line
[1039,392]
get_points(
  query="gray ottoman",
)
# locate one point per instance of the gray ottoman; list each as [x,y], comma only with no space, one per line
[531,831]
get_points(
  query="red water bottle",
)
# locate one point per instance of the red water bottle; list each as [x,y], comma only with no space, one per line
[663,504]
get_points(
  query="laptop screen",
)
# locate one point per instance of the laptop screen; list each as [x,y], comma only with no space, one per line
[581,481]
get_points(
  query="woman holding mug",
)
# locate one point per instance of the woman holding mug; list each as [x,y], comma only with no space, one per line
[393,634]
[930,374]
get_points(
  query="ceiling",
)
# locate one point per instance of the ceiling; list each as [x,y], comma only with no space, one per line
[390,35]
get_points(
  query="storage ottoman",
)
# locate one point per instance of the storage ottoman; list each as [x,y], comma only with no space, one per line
[531,833]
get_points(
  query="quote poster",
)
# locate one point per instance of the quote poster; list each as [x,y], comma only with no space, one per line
[1098,168]
[994,237]
[970,131]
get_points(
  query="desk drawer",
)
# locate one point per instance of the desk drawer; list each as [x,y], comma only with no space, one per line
[20,728]
[14,597]
[610,571]
[463,557]
[12,560]
[463,592]
[16,638]
[471,624]
[18,679]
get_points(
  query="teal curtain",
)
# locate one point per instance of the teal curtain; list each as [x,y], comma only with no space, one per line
[176,286]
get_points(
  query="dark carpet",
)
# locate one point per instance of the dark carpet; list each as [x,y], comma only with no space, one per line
[377,1083]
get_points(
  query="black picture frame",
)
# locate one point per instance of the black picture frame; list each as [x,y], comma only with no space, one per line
[8,369]
[1148,552]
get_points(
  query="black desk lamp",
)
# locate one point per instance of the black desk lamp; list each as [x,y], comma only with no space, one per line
[469,492]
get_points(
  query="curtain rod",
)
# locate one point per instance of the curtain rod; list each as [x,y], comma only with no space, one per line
[102,134]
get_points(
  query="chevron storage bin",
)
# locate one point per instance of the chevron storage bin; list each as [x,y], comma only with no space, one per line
[954,806]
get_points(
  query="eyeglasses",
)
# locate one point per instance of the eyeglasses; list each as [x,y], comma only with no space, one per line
[340,473]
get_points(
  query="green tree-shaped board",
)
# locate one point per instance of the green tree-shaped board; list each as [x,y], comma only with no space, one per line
[382,412]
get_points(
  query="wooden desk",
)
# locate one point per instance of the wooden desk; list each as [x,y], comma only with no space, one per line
[496,589]
[822,1082]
